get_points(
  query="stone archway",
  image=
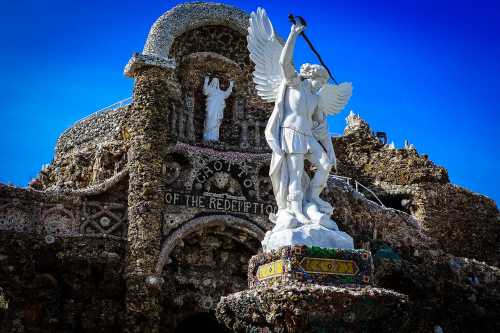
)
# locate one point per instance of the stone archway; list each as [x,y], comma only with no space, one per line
[200,223]
[205,259]
[189,16]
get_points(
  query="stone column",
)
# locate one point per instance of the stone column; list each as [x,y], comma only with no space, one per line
[189,107]
[149,125]
[173,119]
[257,134]
[181,125]
[235,110]
[243,134]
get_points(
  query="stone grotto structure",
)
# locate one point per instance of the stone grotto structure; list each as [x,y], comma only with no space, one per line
[138,225]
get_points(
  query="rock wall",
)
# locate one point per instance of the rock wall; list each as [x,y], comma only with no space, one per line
[421,252]
[70,285]
[363,157]
[91,151]
[81,281]
[464,223]
[456,293]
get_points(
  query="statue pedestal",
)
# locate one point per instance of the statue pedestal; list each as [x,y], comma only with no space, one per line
[312,289]
[314,265]
[309,235]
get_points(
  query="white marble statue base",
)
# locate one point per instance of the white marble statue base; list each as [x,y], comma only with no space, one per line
[309,235]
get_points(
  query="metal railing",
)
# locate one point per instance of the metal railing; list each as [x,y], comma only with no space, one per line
[342,178]
[114,106]
[117,105]
[357,186]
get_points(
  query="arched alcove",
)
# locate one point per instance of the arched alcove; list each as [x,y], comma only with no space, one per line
[192,68]
[217,39]
[206,260]
[200,223]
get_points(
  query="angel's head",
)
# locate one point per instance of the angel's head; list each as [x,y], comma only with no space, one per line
[214,83]
[316,74]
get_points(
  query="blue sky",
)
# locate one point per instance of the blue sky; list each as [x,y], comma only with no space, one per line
[426,71]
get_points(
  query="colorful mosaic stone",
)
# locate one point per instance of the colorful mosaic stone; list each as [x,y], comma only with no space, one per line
[329,267]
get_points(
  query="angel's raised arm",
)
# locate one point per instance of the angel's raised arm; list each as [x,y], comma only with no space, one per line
[286,58]
[229,90]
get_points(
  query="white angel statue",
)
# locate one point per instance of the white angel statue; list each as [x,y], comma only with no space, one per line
[297,128]
[215,107]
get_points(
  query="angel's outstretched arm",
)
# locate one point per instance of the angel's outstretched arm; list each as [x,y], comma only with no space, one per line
[286,58]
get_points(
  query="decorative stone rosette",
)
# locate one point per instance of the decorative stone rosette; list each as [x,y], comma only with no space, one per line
[313,265]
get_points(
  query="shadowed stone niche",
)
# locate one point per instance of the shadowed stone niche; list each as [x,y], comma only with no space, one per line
[205,265]
[191,74]
[212,38]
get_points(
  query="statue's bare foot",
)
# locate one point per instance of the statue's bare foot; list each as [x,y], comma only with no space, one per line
[323,206]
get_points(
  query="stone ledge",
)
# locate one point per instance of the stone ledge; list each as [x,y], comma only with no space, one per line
[140,60]
[313,308]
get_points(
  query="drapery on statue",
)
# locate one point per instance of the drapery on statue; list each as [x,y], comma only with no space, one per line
[215,107]
[297,128]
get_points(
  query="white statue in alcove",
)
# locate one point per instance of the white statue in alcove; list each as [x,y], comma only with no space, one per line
[216,102]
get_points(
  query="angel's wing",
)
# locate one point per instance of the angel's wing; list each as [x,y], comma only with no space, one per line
[265,50]
[333,98]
